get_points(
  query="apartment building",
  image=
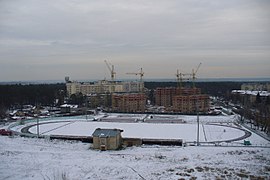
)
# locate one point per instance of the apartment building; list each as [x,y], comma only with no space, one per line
[128,102]
[103,86]
[191,103]
[188,91]
[163,96]
[73,88]
[183,100]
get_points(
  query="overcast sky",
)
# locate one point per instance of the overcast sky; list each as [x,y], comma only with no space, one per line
[51,39]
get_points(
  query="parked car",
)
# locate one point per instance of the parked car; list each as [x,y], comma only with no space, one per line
[247,143]
[5,132]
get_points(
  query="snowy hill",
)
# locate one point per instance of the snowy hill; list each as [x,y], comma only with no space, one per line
[34,159]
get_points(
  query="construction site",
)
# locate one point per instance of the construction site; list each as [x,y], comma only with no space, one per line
[132,96]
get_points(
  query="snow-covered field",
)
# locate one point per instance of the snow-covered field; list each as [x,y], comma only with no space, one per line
[154,127]
[41,159]
[34,159]
[188,132]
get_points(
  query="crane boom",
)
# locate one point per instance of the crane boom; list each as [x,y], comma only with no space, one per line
[108,65]
[194,74]
[198,68]
[182,76]
[141,73]
[111,69]
[187,76]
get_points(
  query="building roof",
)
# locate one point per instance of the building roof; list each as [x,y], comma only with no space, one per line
[254,93]
[69,106]
[106,132]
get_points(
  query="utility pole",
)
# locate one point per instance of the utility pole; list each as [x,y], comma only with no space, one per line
[37,115]
[38,127]
[198,125]
[198,129]
[86,114]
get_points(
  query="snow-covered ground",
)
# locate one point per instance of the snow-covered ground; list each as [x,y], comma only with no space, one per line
[151,128]
[41,159]
[34,159]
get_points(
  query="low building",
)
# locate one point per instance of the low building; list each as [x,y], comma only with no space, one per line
[255,87]
[67,108]
[107,139]
[246,96]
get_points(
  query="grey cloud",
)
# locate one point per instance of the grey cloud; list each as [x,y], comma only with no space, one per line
[135,33]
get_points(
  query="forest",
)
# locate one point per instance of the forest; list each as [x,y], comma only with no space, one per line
[18,94]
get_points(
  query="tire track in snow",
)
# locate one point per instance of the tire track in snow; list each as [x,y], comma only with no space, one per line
[58,127]
[134,170]
[204,132]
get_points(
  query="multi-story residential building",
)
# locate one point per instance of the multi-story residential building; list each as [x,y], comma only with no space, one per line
[188,91]
[73,88]
[163,96]
[103,87]
[128,102]
[132,86]
[183,100]
[191,103]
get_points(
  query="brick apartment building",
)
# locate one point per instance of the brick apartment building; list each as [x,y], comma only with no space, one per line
[128,102]
[191,103]
[163,96]
[184,100]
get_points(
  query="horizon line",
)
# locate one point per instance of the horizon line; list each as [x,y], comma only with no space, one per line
[236,79]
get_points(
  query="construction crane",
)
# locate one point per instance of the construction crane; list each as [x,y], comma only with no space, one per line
[111,69]
[180,77]
[193,75]
[141,74]
[187,76]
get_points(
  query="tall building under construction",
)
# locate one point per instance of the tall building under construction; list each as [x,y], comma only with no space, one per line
[128,102]
[182,99]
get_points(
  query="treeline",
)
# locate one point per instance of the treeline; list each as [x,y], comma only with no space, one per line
[45,94]
[255,113]
[42,94]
